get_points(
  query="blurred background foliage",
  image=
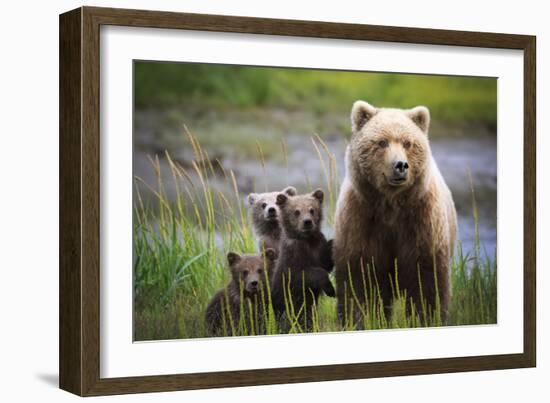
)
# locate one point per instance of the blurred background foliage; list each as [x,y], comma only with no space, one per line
[452,100]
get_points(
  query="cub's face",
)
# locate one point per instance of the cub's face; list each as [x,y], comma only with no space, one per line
[251,270]
[264,208]
[389,147]
[301,215]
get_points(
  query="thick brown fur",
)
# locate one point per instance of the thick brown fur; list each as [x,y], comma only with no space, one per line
[301,266]
[411,225]
[266,217]
[248,279]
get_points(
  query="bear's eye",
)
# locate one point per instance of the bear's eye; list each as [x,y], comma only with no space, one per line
[264,205]
[260,271]
[383,143]
[245,273]
[311,211]
[297,213]
[407,144]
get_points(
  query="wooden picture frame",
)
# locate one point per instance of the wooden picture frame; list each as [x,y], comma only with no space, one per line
[79,317]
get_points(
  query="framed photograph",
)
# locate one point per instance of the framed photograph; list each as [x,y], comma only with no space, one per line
[248,201]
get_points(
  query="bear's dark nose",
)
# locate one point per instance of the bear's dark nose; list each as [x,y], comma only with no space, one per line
[271,211]
[308,223]
[400,168]
[254,283]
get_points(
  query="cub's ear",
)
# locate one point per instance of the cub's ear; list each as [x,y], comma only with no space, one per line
[290,190]
[270,254]
[252,197]
[233,258]
[281,199]
[421,117]
[319,195]
[361,113]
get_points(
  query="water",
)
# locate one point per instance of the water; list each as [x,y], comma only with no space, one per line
[457,158]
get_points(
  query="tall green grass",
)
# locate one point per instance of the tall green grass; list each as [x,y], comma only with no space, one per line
[180,252]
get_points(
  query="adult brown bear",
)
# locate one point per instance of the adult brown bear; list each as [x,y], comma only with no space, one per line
[394,211]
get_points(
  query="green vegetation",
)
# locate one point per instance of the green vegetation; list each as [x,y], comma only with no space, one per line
[180,258]
[452,100]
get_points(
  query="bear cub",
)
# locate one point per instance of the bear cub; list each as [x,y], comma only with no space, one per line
[266,217]
[248,277]
[304,255]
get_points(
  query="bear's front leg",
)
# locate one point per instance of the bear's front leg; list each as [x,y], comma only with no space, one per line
[325,255]
[317,279]
[427,286]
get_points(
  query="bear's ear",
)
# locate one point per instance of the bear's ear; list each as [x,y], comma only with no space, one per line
[290,190]
[421,117]
[252,197]
[361,113]
[281,199]
[319,195]
[270,254]
[233,258]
